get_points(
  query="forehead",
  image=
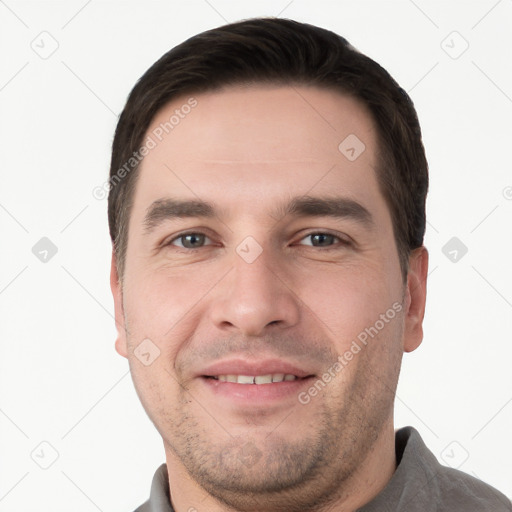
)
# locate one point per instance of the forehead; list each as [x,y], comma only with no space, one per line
[241,143]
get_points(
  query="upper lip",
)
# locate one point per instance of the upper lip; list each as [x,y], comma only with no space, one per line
[245,367]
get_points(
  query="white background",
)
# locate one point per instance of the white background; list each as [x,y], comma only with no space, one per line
[62,383]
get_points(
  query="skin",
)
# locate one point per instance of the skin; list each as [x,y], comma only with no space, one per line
[247,150]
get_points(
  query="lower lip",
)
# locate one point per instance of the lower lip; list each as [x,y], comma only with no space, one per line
[257,394]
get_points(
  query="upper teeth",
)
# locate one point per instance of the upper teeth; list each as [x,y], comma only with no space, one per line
[257,379]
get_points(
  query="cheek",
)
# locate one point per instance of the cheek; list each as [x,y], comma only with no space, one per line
[350,303]
[144,307]
[362,319]
[161,305]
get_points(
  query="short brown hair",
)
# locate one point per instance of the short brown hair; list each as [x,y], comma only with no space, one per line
[281,52]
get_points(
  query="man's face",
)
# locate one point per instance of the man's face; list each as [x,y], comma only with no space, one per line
[253,287]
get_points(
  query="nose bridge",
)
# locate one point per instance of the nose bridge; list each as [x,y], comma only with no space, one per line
[254,295]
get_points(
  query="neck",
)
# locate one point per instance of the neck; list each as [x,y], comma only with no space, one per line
[361,487]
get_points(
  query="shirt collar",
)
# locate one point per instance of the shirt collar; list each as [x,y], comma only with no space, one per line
[160,499]
[413,486]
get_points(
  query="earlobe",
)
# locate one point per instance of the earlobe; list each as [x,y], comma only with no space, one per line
[115,286]
[416,295]
[120,346]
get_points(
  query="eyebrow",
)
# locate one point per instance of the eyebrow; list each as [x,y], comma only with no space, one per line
[304,206]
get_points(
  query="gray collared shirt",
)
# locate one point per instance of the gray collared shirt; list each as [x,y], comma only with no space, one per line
[419,484]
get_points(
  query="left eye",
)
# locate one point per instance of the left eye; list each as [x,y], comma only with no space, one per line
[323,239]
[190,240]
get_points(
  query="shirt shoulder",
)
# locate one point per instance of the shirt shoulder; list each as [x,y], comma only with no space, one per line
[421,484]
[451,489]
[145,507]
[460,491]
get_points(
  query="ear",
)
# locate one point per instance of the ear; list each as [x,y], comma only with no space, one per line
[117,293]
[416,294]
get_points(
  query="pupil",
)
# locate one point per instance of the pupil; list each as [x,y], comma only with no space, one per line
[321,238]
[191,240]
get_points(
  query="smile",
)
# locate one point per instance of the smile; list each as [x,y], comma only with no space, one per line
[255,379]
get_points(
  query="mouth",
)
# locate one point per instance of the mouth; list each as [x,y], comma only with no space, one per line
[247,384]
[255,392]
[256,379]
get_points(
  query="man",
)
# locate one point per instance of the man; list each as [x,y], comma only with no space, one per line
[267,213]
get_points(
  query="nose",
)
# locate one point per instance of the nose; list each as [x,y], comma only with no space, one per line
[255,297]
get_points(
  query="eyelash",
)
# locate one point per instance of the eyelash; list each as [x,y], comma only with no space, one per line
[341,241]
